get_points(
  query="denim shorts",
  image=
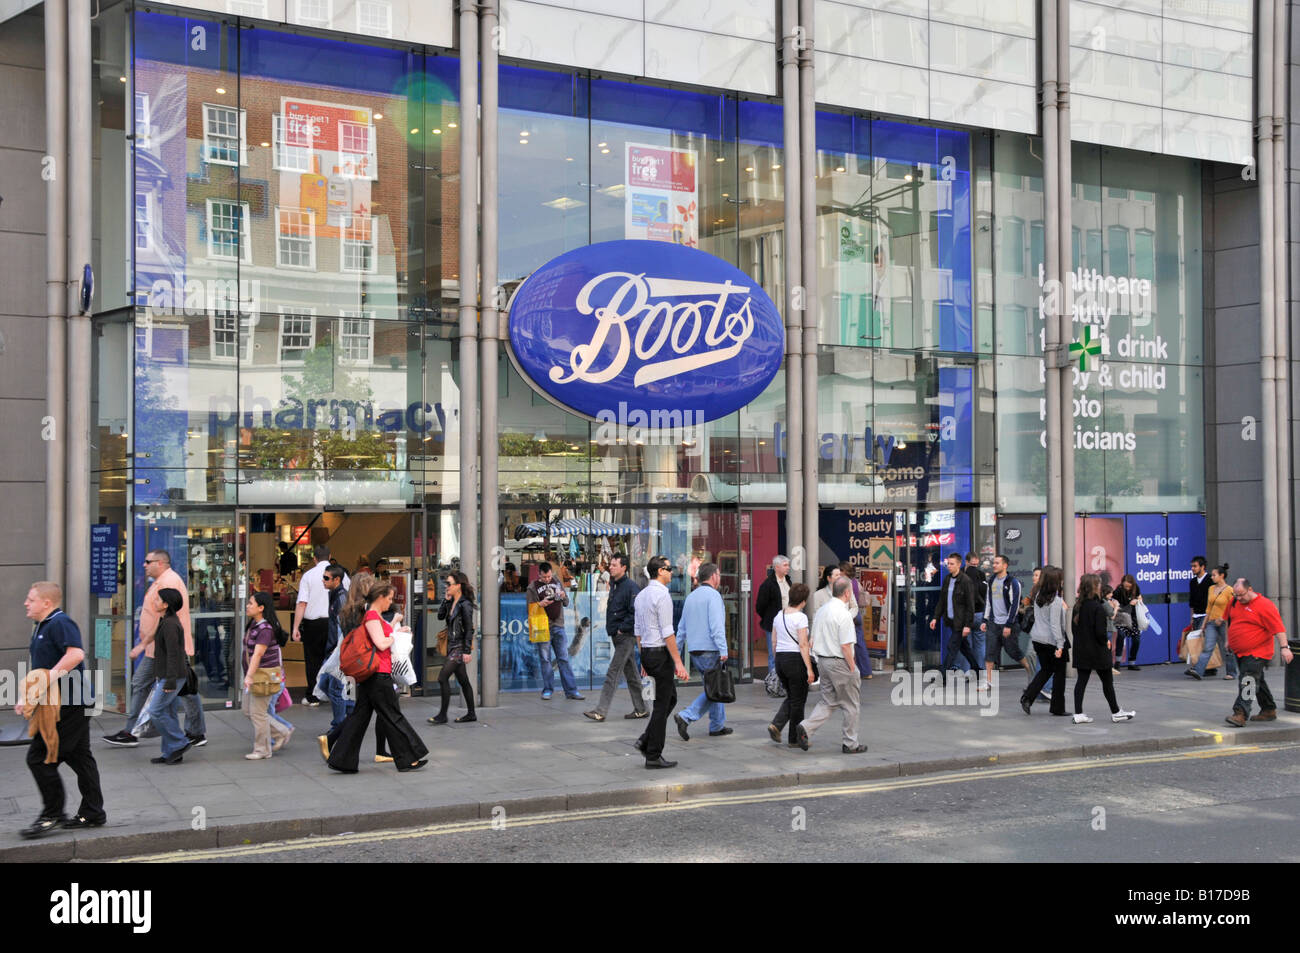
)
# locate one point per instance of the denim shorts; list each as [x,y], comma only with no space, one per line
[995,641]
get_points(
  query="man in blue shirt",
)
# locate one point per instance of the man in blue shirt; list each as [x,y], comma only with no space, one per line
[56,647]
[704,630]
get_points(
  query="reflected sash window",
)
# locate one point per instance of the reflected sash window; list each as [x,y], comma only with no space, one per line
[375,17]
[356,337]
[357,150]
[224,135]
[357,249]
[143,120]
[297,335]
[313,12]
[247,8]
[143,221]
[231,335]
[228,231]
[293,145]
[295,245]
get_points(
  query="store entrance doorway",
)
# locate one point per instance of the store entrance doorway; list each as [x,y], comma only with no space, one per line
[276,548]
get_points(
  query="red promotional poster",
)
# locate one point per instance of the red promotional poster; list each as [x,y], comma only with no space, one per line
[325,154]
[875,585]
[660,199]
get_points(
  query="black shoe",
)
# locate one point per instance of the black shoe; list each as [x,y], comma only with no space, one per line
[197,741]
[721,731]
[438,720]
[1025,704]
[1061,713]
[594,715]
[1135,668]
[1191,673]
[174,759]
[81,822]
[636,714]
[802,734]
[416,766]
[639,745]
[682,727]
[468,716]
[342,770]
[123,739]
[660,762]
[856,749]
[41,827]
[774,733]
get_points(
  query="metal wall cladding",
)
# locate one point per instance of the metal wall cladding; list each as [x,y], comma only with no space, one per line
[622,329]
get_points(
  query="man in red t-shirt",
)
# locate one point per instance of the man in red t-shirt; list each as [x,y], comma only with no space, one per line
[1254,627]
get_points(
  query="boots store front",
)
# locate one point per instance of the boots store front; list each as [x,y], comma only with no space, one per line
[277,364]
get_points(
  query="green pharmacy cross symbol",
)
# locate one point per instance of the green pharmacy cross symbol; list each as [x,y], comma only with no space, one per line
[1089,346]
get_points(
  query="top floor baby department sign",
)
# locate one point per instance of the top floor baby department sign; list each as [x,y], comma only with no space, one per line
[657,334]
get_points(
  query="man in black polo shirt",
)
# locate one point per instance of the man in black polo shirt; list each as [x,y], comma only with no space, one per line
[1199,590]
[56,646]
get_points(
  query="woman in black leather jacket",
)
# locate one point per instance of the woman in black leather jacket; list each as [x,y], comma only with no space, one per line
[458,609]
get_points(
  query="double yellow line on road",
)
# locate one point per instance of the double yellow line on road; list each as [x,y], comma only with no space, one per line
[720,800]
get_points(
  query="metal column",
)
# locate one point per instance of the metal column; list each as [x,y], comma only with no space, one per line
[80,215]
[54,430]
[468,282]
[1052,283]
[1269,383]
[1282,322]
[1065,184]
[791,41]
[812,313]
[490,524]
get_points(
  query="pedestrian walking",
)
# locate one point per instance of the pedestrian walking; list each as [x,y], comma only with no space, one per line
[458,610]
[334,581]
[1048,637]
[158,569]
[351,615]
[703,630]
[956,609]
[62,736]
[832,642]
[1215,627]
[620,625]
[979,579]
[862,621]
[1001,619]
[377,697]
[551,595]
[1092,649]
[793,664]
[1128,637]
[1255,630]
[264,676]
[773,596]
[311,619]
[660,659]
[170,673]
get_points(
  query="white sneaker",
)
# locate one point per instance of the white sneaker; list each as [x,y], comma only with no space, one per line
[1123,716]
[1082,720]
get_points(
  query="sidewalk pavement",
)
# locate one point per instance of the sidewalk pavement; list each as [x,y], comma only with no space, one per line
[532,756]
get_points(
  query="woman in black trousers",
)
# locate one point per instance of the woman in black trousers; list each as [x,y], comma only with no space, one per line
[1048,637]
[1092,649]
[376,696]
[458,610]
[790,631]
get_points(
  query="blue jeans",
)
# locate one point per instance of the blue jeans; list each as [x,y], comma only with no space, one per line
[1215,633]
[142,695]
[163,707]
[705,662]
[771,659]
[977,641]
[339,706]
[557,648]
[276,715]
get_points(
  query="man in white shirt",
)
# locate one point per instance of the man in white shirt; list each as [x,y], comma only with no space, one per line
[311,619]
[833,639]
[660,659]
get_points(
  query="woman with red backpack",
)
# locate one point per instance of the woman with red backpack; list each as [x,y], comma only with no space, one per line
[375,692]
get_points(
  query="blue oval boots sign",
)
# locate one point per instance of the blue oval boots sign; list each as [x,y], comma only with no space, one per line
[667,330]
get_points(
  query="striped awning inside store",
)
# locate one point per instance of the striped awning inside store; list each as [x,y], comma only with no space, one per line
[581,526]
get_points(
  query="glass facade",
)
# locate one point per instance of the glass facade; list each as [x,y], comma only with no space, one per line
[282,338]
